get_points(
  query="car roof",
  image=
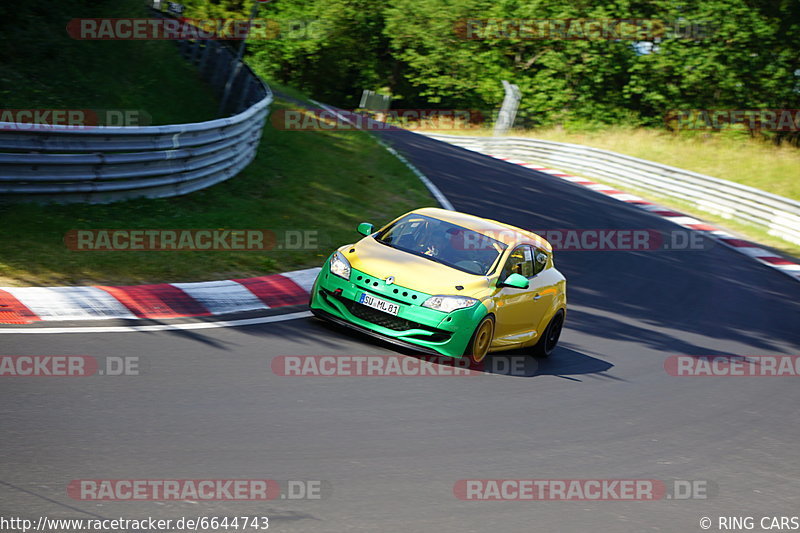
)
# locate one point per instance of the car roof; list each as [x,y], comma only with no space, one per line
[504,233]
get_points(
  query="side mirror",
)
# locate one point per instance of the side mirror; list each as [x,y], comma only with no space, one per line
[365,228]
[518,281]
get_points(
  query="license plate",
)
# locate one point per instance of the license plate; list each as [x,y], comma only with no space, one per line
[380,305]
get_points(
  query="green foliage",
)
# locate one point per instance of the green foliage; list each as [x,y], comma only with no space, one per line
[329,48]
[415,51]
[748,59]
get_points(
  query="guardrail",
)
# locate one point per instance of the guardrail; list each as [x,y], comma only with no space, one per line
[778,215]
[106,164]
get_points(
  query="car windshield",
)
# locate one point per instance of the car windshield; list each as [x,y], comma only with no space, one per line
[443,242]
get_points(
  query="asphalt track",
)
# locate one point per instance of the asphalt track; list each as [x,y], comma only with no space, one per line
[207,405]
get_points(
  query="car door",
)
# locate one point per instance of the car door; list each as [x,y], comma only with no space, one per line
[516,310]
[544,290]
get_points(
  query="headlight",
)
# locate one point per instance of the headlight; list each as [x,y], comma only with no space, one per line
[449,303]
[340,266]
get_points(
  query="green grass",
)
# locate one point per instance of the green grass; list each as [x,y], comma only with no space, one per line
[320,181]
[326,182]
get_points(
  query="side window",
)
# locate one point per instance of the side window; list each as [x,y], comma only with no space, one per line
[519,262]
[539,260]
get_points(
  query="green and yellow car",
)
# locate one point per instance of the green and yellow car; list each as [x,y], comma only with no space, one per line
[446,283]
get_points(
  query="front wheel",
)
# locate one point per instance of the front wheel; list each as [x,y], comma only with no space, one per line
[479,344]
[547,343]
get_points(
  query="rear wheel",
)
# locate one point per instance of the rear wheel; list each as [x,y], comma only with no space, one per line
[547,343]
[479,344]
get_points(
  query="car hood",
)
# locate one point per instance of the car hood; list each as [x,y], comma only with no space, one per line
[412,271]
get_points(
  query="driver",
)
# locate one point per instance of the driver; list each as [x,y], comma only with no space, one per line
[437,243]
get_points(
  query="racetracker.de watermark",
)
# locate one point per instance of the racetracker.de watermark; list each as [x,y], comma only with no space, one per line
[70,119]
[71,366]
[174,240]
[631,490]
[633,29]
[394,366]
[719,119]
[608,239]
[733,366]
[386,121]
[197,489]
[208,29]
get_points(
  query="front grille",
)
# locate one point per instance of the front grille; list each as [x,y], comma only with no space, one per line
[392,322]
[380,318]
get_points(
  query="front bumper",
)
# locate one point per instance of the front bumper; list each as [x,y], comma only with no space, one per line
[431,330]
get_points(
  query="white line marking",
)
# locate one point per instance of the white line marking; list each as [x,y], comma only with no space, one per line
[162,327]
[787,268]
[724,235]
[625,197]
[554,171]
[600,187]
[754,251]
[685,221]
[434,190]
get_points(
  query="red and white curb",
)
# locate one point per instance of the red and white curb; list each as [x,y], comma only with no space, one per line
[23,305]
[750,249]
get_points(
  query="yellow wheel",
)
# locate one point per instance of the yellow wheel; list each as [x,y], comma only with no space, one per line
[478,346]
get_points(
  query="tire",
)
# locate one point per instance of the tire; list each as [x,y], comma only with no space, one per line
[547,343]
[481,340]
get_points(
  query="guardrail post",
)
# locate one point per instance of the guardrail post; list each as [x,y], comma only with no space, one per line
[243,94]
[220,61]
[203,66]
[183,46]
[195,54]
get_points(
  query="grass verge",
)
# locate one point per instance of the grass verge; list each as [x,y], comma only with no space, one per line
[743,230]
[739,159]
[321,181]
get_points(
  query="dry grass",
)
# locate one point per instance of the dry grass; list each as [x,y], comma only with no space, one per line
[733,157]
